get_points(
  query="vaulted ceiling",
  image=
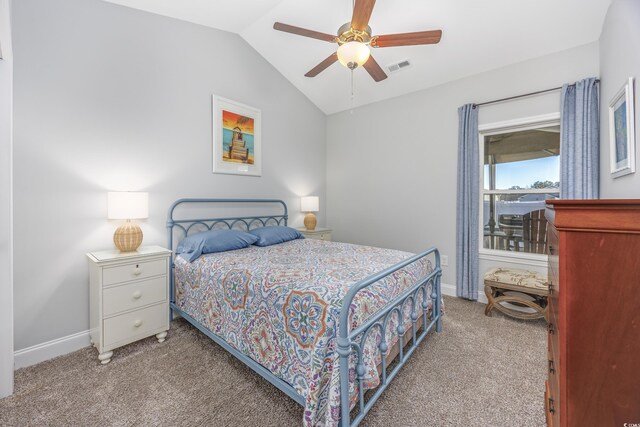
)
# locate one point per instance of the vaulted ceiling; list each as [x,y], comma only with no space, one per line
[477,36]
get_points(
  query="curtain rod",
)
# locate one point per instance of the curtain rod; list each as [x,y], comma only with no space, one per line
[522,96]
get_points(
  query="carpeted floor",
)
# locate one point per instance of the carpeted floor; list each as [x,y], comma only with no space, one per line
[480,371]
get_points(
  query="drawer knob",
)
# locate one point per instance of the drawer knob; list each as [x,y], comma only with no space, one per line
[551,250]
[137,295]
[551,328]
[552,369]
[137,270]
[137,323]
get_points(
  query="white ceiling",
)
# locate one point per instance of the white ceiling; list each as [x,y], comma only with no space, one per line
[478,35]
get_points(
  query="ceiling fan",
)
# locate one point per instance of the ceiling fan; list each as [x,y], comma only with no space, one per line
[354,39]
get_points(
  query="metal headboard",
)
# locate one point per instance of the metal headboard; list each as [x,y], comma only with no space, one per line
[187,225]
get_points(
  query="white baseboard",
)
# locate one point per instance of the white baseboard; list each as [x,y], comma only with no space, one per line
[450,290]
[50,349]
[482,298]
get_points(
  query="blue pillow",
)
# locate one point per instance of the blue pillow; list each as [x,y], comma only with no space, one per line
[268,236]
[191,247]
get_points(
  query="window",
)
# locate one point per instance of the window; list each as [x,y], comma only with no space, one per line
[521,169]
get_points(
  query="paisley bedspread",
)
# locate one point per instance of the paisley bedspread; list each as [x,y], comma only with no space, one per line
[280,305]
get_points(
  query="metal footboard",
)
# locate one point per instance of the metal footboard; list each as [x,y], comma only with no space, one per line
[350,342]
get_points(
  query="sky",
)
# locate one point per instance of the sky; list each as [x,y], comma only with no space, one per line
[231,120]
[526,172]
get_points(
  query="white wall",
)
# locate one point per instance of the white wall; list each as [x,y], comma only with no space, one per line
[111,98]
[619,60]
[6,242]
[391,166]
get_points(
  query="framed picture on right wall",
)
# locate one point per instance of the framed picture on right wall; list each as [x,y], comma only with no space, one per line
[621,131]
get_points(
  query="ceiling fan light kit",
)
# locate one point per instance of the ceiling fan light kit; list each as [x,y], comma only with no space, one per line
[353,54]
[355,40]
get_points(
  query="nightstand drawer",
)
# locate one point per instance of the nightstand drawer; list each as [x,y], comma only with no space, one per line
[132,295]
[317,234]
[130,326]
[133,271]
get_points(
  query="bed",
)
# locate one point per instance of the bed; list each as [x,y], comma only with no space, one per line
[320,320]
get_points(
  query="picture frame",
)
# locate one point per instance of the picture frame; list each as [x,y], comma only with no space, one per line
[622,131]
[237,139]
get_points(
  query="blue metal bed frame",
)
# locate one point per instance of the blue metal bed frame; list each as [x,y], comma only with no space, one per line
[348,342]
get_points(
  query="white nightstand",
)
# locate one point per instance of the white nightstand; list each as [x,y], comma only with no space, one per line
[128,296]
[318,233]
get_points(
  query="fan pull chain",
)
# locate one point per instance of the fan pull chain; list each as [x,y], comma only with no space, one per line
[352,93]
[352,90]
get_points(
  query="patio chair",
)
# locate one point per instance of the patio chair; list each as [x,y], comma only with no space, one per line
[534,232]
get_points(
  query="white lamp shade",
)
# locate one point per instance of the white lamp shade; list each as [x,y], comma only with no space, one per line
[310,204]
[127,205]
[353,53]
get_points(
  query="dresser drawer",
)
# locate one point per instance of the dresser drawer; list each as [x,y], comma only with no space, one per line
[133,271]
[551,404]
[554,287]
[552,239]
[553,367]
[133,295]
[553,248]
[553,401]
[547,399]
[134,325]
[552,328]
[553,271]
[553,313]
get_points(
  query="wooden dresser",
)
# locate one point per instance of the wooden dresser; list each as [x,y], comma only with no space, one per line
[594,313]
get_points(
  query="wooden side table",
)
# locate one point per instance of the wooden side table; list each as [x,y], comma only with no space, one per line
[128,297]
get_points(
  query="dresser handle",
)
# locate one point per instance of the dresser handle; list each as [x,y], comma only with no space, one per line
[550,288]
[551,250]
[137,270]
[551,408]
[552,369]
[137,295]
[551,328]
[137,323]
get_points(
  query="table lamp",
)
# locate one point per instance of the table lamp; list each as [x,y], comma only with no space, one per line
[127,205]
[310,204]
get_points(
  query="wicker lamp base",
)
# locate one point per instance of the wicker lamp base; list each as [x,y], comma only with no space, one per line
[128,237]
[310,221]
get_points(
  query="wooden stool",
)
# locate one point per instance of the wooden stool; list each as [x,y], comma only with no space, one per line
[497,281]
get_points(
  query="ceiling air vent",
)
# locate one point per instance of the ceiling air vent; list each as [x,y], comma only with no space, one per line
[398,66]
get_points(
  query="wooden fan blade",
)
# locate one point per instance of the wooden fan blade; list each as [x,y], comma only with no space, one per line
[407,39]
[303,32]
[361,14]
[374,69]
[322,66]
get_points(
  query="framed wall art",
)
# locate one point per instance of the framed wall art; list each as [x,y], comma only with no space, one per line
[237,144]
[622,131]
